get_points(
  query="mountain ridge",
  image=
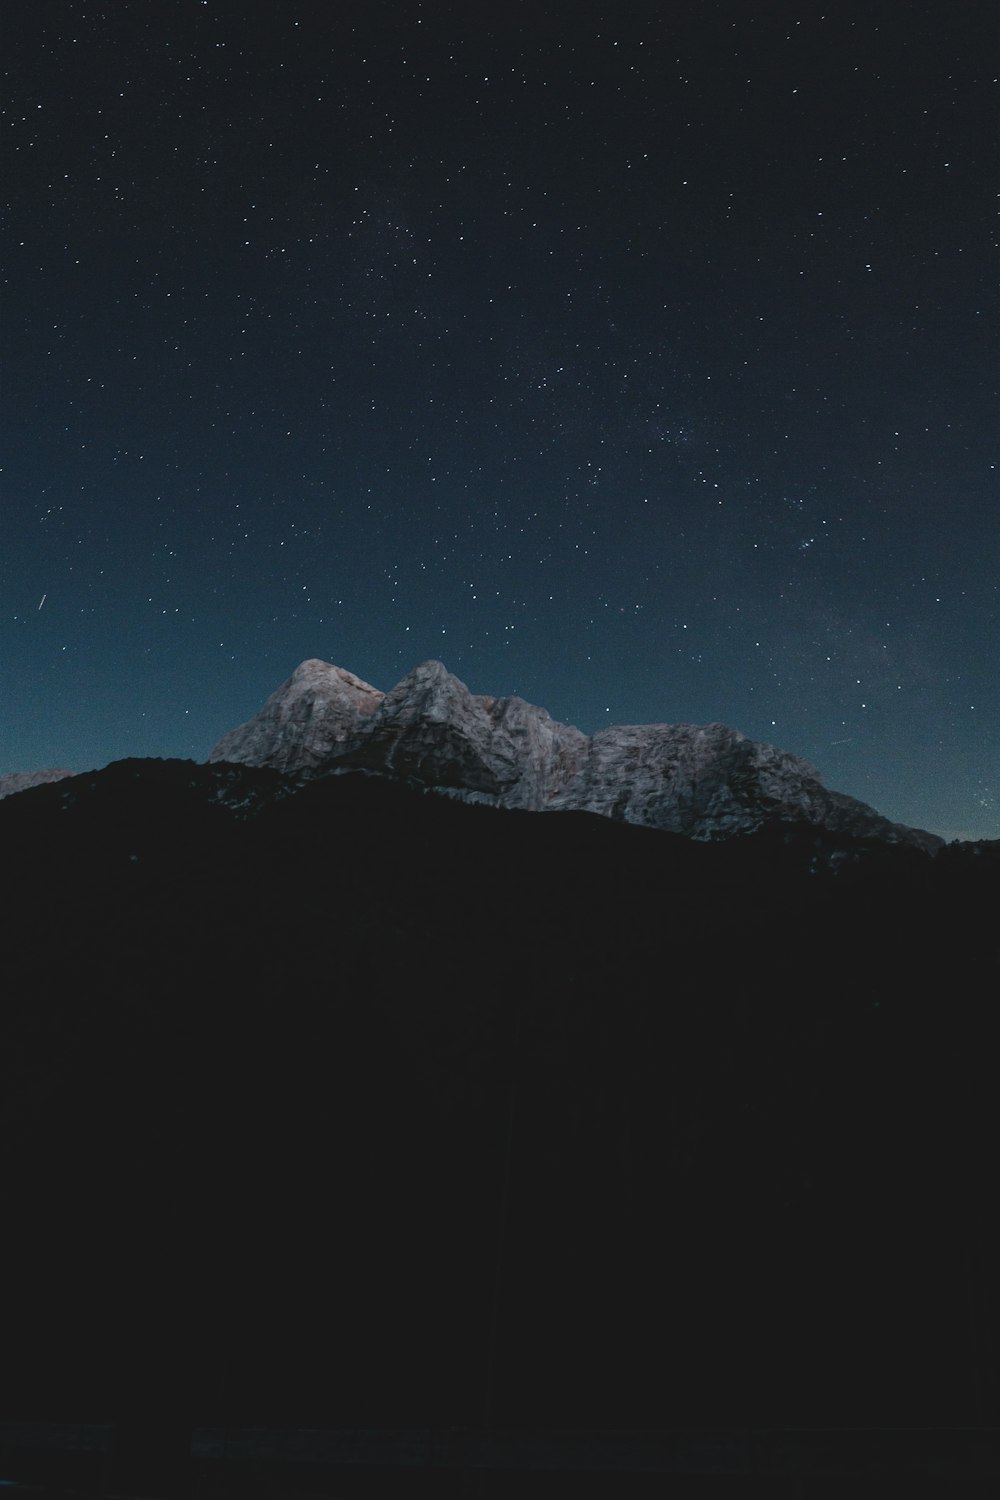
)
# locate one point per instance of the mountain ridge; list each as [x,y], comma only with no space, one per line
[705,781]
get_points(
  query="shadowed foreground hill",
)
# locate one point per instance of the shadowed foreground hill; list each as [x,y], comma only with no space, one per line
[355,1104]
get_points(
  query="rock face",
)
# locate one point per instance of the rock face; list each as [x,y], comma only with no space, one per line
[304,722]
[432,729]
[20,781]
[705,781]
[709,781]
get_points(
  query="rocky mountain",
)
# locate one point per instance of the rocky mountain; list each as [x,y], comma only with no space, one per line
[704,781]
[305,722]
[432,730]
[22,781]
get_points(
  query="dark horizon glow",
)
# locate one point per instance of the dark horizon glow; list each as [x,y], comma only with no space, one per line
[642,365]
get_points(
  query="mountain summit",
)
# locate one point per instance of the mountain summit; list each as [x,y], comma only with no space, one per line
[706,781]
[302,725]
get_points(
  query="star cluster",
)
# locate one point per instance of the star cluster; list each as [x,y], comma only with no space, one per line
[640,364]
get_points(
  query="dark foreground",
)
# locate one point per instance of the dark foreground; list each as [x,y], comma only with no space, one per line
[376,1111]
[282,1464]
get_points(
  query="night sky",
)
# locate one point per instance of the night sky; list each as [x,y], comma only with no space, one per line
[635,358]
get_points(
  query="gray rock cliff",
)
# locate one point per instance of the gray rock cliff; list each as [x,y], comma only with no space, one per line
[432,729]
[706,781]
[709,781]
[304,721]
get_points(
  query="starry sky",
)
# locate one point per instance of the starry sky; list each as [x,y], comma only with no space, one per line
[637,358]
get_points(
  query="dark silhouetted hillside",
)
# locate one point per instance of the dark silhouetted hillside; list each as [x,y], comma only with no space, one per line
[357,1104]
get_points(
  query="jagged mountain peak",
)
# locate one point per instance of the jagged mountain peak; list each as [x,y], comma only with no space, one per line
[432,729]
[702,780]
[317,709]
[429,671]
[315,672]
[429,681]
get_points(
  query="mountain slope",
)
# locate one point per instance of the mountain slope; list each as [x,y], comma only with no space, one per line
[705,781]
[307,1087]
[22,781]
[304,721]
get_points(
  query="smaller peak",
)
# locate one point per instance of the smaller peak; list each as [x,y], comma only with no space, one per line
[430,680]
[426,674]
[312,665]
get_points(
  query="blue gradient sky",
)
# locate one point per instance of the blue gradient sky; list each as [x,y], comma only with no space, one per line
[640,365]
